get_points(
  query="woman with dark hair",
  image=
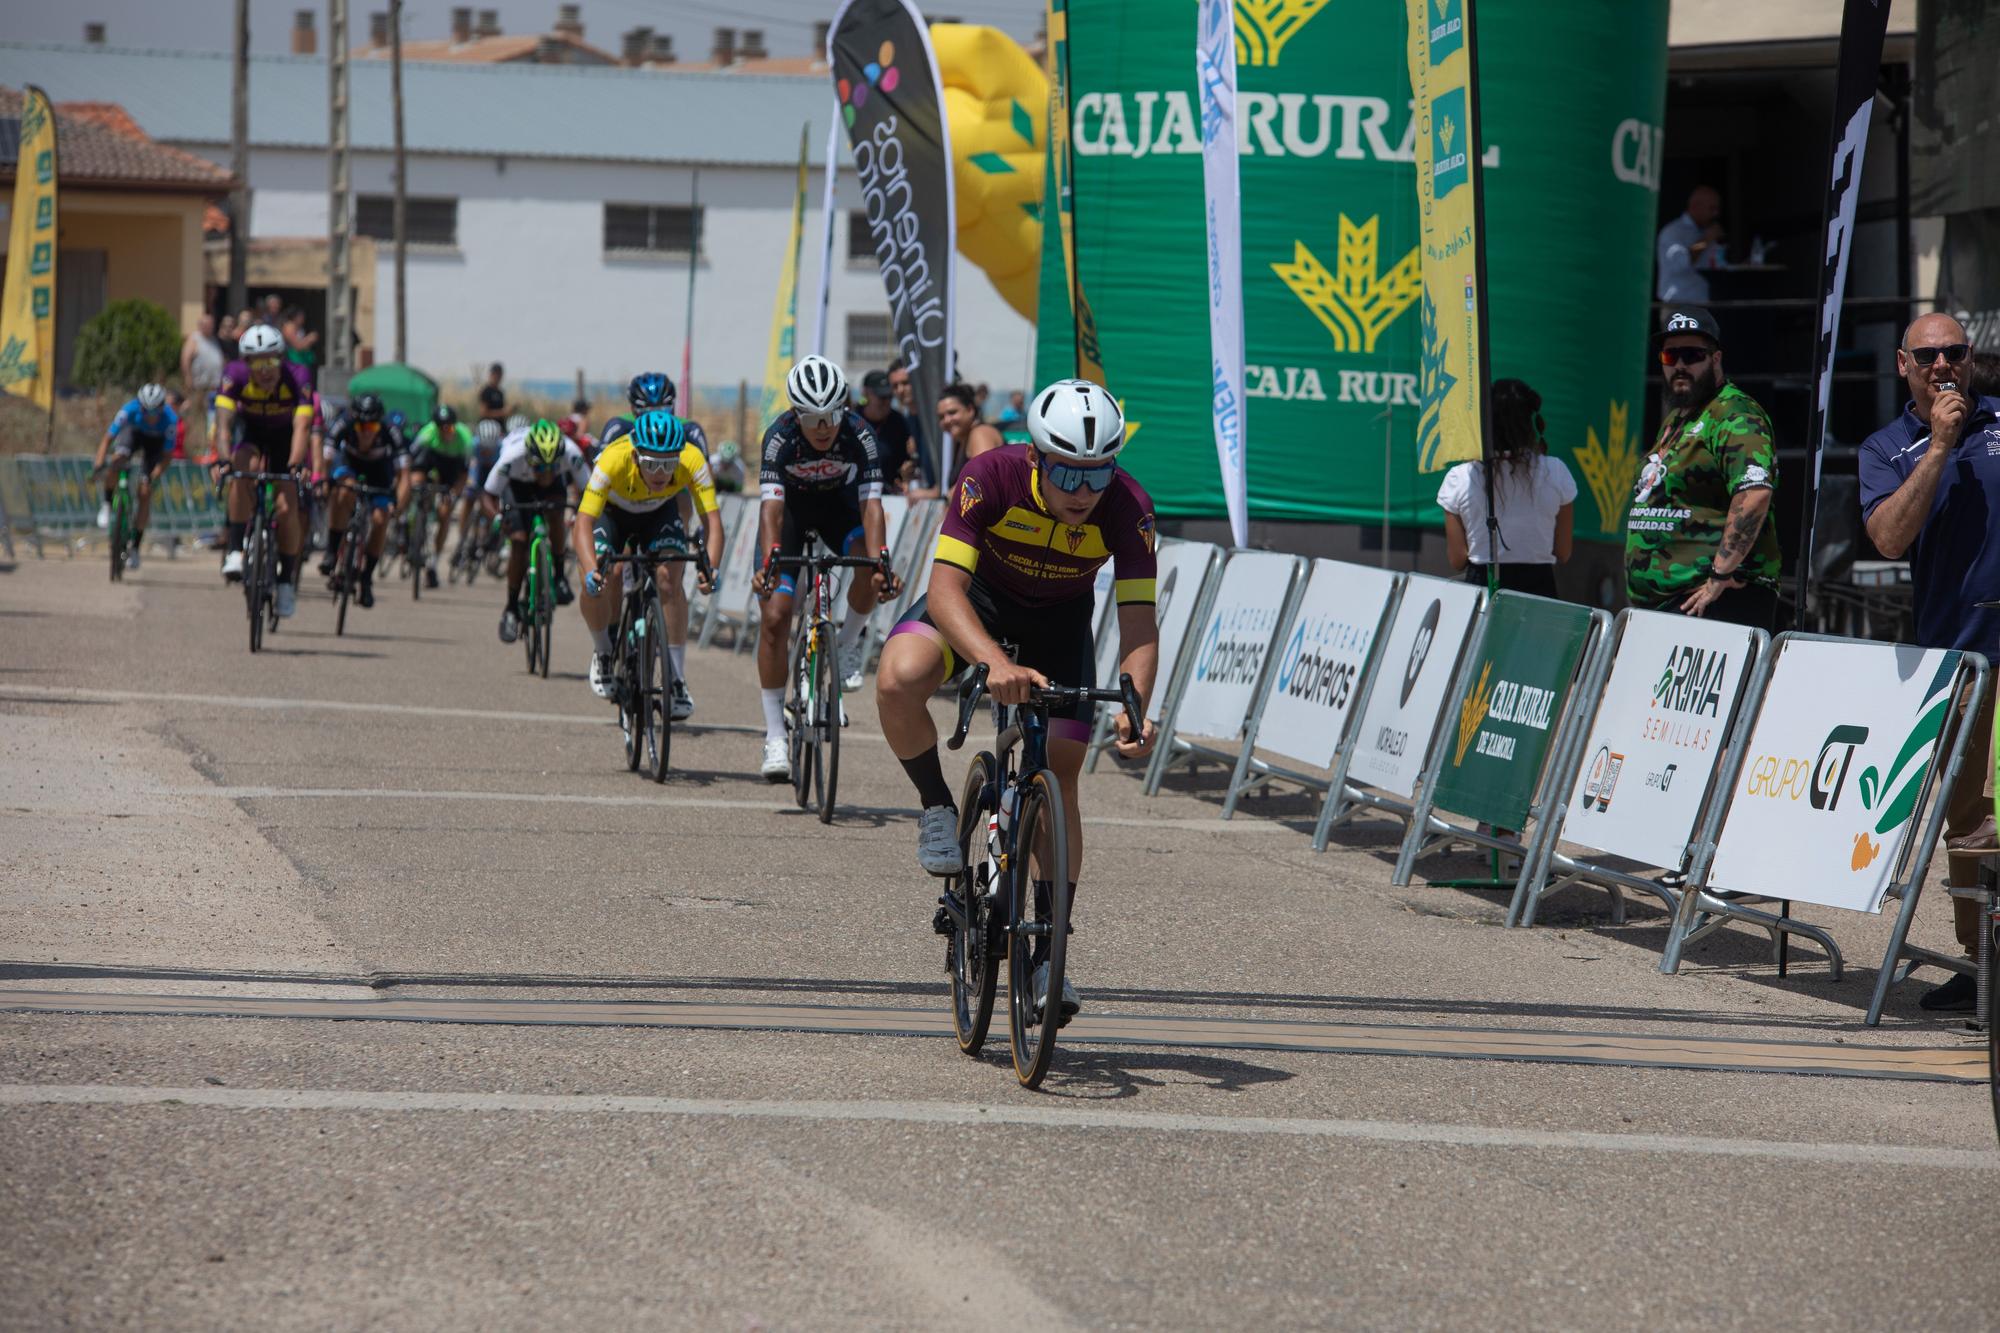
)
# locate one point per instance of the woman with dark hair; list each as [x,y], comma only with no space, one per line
[958,419]
[1534,497]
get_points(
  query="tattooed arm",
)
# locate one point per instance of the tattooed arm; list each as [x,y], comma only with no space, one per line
[1747,510]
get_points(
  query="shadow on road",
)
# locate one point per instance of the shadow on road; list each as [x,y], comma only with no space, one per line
[1096,1075]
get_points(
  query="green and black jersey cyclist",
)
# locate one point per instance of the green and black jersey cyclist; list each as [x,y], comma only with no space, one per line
[536,466]
[1026,529]
[441,452]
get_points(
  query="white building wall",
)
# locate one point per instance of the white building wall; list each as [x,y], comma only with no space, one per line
[529,283]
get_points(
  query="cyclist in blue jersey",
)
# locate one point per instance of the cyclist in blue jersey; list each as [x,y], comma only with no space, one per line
[142,434]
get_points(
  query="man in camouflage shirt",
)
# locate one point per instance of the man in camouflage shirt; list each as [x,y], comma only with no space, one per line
[1697,539]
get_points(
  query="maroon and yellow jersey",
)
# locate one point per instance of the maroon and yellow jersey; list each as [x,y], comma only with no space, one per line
[996,529]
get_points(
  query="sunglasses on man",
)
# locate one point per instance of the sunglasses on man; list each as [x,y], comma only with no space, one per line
[1685,356]
[820,420]
[1951,352]
[1069,478]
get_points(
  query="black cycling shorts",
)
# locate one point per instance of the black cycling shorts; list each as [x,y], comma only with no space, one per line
[1057,641]
[515,519]
[655,532]
[448,469]
[147,451]
[835,516]
[379,472]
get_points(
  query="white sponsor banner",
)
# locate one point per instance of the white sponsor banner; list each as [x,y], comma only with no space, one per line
[1215,80]
[1181,568]
[1235,638]
[1105,618]
[1844,740]
[739,558]
[1321,661]
[1410,683]
[1660,731]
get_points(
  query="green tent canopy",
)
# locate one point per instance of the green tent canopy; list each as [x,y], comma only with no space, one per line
[401,388]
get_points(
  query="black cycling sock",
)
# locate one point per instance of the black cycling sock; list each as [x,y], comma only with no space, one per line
[367,566]
[138,535]
[286,564]
[928,774]
[235,535]
[1044,889]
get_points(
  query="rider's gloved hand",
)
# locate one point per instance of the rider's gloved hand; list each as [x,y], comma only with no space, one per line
[593,582]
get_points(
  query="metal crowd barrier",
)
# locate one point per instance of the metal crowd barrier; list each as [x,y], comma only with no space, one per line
[62,499]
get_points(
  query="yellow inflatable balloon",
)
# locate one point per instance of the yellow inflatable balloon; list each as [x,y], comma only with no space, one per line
[997,102]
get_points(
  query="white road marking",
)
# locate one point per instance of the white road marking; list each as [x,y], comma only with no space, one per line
[948,1113]
[30,805]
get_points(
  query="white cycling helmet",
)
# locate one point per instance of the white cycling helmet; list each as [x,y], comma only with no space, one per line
[261,340]
[152,397]
[816,385]
[519,421]
[1076,420]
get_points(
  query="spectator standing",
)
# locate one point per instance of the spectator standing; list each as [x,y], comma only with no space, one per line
[1689,247]
[1697,539]
[980,395]
[492,398]
[1984,380]
[1534,498]
[958,419]
[892,431]
[202,363]
[299,342]
[1930,485]
[225,337]
[1016,410]
[906,402]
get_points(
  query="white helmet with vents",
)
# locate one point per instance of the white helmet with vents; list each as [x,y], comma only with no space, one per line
[152,397]
[1076,420]
[817,385]
[261,340]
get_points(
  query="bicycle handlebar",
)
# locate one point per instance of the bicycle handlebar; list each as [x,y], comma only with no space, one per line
[1047,698]
[880,563]
[651,558]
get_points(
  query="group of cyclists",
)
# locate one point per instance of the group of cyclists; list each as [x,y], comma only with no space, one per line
[1026,529]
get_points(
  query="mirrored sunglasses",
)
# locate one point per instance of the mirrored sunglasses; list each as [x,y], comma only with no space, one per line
[1068,477]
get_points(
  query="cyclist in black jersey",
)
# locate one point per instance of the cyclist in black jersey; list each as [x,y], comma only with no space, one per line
[822,473]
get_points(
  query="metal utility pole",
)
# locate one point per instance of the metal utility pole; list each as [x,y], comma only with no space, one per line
[339,334]
[239,162]
[401,219]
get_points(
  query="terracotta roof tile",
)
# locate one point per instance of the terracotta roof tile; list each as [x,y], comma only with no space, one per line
[490,50]
[97,143]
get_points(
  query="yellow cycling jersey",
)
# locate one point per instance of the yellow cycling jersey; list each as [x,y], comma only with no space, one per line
[616,480]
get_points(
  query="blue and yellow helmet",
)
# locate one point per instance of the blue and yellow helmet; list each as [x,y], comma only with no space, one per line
[659,432]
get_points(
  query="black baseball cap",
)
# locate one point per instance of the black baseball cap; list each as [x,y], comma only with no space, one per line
[877,383]
[1677,320]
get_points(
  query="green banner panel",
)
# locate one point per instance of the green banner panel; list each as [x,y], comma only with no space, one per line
[1521,678]
[1571,117]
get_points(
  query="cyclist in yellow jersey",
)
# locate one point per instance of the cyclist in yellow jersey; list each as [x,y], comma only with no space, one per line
[630,504]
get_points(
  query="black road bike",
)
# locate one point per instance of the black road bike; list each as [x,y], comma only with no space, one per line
[642,671]
[812,686]
[347,575]
[260,550]
[1012,820]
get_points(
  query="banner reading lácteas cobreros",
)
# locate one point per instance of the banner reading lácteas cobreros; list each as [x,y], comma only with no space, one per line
[28,306]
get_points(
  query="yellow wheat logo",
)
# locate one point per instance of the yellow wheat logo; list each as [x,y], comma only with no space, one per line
[1473,712]
[1264,26]
[1609,466]
[1444,7]
[1446,133]
[1358,302]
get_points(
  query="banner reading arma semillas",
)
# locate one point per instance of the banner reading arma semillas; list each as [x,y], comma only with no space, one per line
[1862,27]
[28,306]
[886,78]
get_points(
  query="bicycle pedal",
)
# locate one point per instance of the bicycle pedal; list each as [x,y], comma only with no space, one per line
[941,919]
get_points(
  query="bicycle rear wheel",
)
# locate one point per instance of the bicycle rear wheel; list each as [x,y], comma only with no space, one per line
[827,731]
[659,696]
[1039,821]
[971,952]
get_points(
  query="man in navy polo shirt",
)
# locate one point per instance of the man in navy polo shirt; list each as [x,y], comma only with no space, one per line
[1930,489]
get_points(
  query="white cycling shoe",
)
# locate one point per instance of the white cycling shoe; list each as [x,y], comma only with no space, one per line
[288,600]
[1071,1002]
[600,675]
[851,663]
[777,765]
[937,841]
[232,565]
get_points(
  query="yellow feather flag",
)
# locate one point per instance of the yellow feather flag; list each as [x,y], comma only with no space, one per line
[28,305]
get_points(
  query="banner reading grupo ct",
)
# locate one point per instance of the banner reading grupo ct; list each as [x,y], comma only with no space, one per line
[28,306]
[890,97]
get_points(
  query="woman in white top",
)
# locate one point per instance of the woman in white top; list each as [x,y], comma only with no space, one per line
[1534,494]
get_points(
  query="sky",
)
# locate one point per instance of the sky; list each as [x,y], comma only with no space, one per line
[207,25]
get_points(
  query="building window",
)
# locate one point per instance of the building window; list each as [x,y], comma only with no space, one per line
[871,341]
[427,221]
[651,229]
[860,240]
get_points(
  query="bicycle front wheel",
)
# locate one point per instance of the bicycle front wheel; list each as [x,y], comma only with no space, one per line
[978,927]
[545,602]
[826,731]
[348,573]
[1993,1016]
[1040,928]
[799,715]
[118,533]
[660,697]
[253,583]
[419,547]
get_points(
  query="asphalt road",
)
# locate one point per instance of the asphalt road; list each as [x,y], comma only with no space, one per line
[357,984]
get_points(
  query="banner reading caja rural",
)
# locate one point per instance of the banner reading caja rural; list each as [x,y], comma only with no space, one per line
[1517,686]
[28,306]
[886,79]
[1332,284]
[1449,425]
[779,355]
